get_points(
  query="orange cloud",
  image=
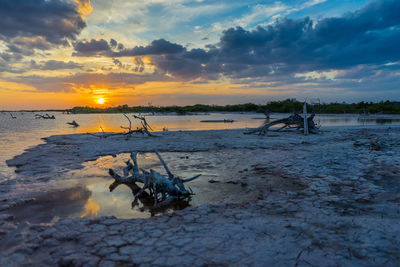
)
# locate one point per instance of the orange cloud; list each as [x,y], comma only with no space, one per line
[84,7]
[146,60]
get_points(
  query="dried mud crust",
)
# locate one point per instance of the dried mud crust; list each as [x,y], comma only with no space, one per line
[345,211]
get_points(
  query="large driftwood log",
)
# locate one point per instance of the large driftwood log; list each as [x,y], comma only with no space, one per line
[169,188]
[293,121]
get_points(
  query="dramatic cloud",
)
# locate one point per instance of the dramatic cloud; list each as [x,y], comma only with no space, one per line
[55,20]
[29,27]
[157,47]
[93,47]
[247,44]
[114,49]
[97,48]
[370,35]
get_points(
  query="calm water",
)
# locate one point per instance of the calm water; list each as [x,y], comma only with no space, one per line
[25,131]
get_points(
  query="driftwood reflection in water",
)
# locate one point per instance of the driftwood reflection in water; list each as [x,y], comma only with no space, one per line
[148,200]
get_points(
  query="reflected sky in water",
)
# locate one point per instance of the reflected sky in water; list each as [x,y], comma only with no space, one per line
[86,192]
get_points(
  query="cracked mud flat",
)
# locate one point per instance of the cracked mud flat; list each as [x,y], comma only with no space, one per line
[344,209]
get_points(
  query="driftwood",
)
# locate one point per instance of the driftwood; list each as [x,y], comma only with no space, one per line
[305,125]
[267,114]
[45,116]
[143,122]
[163,189]
[144,129]
[293,121]
[12,116]
[73,123]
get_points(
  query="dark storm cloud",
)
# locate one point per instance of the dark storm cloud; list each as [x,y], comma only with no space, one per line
[157,47]
[370,35]
[97,48]
[54,20]
[366,36]
[114,49]
[91,48]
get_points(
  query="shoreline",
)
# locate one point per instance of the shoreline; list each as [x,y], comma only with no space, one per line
[69,151]
[347,213]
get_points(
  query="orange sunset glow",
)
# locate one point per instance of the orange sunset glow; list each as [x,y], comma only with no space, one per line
[100,101]
[90,56]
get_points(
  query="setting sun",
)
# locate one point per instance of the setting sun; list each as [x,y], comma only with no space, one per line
[100,101]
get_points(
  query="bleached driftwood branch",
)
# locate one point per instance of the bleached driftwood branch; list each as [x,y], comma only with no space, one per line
[169,188]
[141,130]
[130,124]
[293,121]
[144,122]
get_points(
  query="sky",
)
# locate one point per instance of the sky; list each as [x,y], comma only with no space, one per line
[65,53]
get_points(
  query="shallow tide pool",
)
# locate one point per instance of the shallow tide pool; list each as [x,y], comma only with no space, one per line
[226,176]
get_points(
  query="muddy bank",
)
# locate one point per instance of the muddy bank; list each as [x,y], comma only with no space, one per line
[345,212]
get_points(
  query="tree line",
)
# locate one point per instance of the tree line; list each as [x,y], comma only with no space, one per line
[284,106]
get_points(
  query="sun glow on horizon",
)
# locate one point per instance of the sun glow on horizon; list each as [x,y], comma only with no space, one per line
[100,101]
